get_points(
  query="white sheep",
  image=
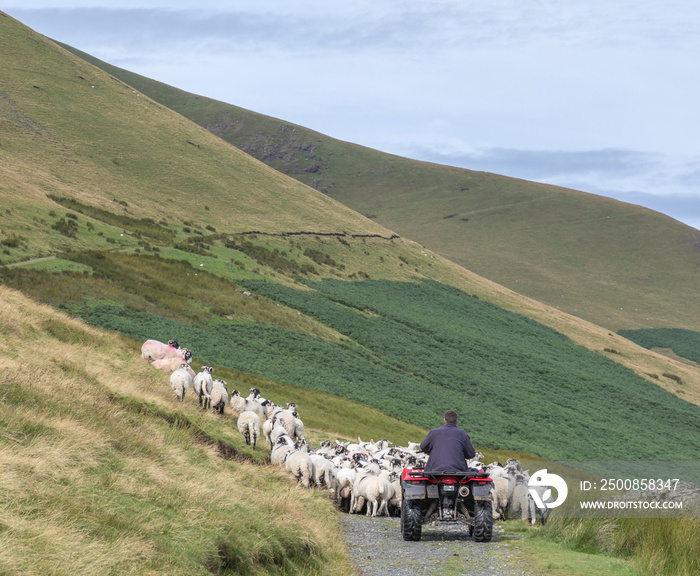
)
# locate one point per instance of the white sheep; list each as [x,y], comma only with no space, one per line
[287,419]
[323,471]
[326,449]
[495,470]
[249,426]
[500,488]
[299,464]
[271,409]
[520,504]
[215,397]
[298,427]
[267,430]
[277,430]
[372,466]
[375,490]
[239,405]
[180,381]
[200,379]
[344,480]
[535,511]
[395,498]
[283,447]
[255,395]
[514,465]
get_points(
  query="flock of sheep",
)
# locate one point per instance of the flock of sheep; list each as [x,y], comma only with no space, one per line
[361,476]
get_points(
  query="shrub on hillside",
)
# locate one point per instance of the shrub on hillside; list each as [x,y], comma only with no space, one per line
[68,228]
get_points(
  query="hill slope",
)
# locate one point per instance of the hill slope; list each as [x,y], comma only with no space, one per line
[119,193]
[615,264]
[104,473]
[71,130]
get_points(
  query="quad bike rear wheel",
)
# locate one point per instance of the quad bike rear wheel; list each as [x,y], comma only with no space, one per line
[483,521]
[411,520]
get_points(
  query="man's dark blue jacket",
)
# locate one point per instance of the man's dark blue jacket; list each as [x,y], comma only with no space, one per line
[448,447]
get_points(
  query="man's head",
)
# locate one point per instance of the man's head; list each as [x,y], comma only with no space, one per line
[450,417]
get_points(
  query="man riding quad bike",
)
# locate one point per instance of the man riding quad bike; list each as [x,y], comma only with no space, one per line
[446,489]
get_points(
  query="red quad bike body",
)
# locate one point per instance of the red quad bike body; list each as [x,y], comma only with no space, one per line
[447,497]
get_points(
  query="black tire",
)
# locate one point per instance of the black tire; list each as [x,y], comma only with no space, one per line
[483,521]
[411,520]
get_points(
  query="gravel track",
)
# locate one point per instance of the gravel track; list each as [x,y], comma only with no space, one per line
[377,549]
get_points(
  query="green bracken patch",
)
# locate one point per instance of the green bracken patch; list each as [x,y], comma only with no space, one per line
[685,343]
[413,349]
[145,227]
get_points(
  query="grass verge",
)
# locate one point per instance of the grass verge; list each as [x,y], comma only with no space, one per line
[634,546]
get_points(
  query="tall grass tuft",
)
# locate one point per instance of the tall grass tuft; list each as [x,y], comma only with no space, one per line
[657,546]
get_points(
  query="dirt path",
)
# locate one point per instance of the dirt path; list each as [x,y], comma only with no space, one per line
[377,549]
[30,261]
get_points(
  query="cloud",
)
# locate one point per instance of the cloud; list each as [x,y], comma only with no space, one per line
[366,25]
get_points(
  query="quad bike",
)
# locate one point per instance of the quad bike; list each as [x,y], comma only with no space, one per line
[447,497]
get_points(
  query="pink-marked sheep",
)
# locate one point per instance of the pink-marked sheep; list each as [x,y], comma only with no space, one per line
[171,364]
[152,350]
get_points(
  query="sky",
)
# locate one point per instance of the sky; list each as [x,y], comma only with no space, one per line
[598,95]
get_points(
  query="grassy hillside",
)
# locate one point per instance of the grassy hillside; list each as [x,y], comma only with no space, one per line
[104,473]
[69,130]
[152,261]
[615,264]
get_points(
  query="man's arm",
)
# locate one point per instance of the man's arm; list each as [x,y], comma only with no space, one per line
[469,451]
[427,445]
